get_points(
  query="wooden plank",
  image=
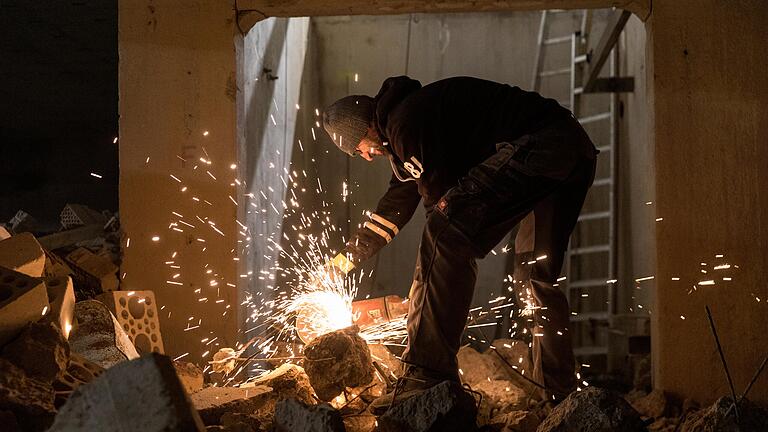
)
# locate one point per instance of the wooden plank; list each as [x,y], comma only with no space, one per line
[613,29]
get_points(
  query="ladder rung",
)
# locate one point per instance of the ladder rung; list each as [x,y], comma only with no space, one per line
[602,182]
[557,40]
[590,316]
[586,283]
[594,215]
[594,118]
[606,148]
[590,351]
[591,249]
[553,72]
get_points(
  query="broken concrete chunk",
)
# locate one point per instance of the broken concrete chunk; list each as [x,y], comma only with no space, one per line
[30,400]
[98,337]
[190,375]
[4,234]
[500,396]
[446,407]
[713,418]
[23,300]
[71,237]
[289,381]
[363,422]
[93,271]
[655,404]
[237,422]
[337,360]
[61,298]
[22,253]
[477,367]
[593,409]
[213,402]
[55,266]
[40,351]
[516,421]
[292,415]
[136,311]
[140,395]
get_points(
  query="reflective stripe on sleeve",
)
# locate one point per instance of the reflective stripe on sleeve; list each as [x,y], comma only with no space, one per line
[375,228]
[387,224]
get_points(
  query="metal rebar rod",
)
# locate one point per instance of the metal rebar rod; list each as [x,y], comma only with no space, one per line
[722,359]
[749,386]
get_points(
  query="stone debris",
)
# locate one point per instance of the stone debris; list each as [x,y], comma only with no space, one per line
[97,273]
[655,404]
[61,299]
[22,253]
[292,415]
[337,360]
[139,395]
[515,421]
[289,381]
[190,375]
[446,407]
[136,311]
[363,422]
[71,237]
[713,418]
[79,371]
[593,410]
[213,402]
[40,351]
[4,234]
[478,367]
[23,300]
[499,396]
[30,400]
[238,422]
[98,337]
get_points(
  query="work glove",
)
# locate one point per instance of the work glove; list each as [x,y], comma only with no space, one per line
[363,245]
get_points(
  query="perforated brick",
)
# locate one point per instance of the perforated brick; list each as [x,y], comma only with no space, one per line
[61,298]
[74,215]
[136,311]
[23,300]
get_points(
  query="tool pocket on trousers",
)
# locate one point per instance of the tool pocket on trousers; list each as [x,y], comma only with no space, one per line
[465,206]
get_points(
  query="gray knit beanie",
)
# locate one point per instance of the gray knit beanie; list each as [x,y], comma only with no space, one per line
[347,121]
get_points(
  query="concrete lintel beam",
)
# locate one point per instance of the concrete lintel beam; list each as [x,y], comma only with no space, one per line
[252,11]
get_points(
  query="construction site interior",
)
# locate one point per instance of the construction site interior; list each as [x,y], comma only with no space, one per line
[169,199]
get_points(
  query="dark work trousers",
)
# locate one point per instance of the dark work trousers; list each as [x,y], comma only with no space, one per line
[467,222]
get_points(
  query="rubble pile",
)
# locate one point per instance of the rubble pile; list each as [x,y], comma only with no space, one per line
[79,354]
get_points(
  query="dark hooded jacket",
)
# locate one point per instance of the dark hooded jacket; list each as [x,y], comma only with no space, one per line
[437,133]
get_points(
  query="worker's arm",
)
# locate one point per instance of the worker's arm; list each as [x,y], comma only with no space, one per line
[394,210]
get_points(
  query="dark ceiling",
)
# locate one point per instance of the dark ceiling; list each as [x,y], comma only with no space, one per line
[58,116]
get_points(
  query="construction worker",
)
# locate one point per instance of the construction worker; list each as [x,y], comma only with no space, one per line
[484,157]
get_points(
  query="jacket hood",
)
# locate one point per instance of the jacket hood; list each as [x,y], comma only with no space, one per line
[392,92]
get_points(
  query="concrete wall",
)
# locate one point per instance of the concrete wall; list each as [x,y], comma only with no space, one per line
[267,121]
[177,82]
[710,127]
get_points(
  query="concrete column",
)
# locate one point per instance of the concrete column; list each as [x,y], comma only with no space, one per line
[177,111]
[709,102]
